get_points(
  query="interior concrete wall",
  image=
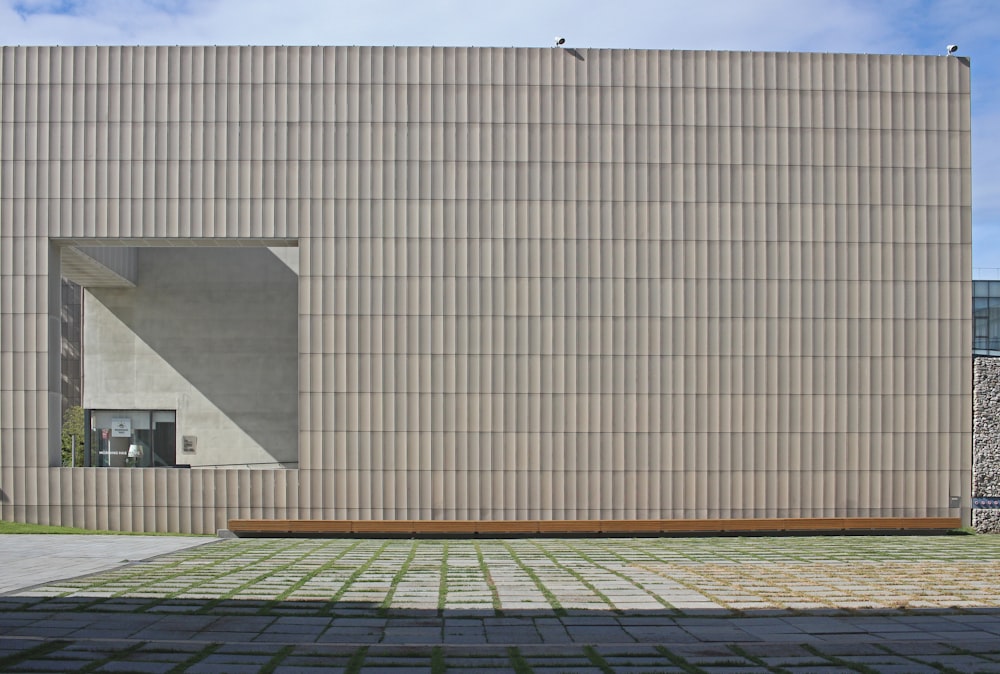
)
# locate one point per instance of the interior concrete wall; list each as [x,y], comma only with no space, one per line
[210,333]
[116,262]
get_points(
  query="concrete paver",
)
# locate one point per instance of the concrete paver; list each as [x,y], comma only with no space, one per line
[879,604]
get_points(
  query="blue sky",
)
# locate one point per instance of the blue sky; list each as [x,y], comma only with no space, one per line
[864,26]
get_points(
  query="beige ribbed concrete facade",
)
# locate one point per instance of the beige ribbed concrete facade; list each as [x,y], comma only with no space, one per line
[533,283]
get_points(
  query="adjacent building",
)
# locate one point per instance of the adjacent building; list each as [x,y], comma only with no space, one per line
[986,405]
[381,284]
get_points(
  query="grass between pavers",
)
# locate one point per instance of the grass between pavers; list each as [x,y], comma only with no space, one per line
[383,609]
[38,651]
[840,662]
[611,552]
[755,659]
[168,567]
[899,574]
[257,578]
[517,661]
[437,659]
[579,577]
[112,657]
[357,661]
[678,661]
[329,564]
[438,663]
[23,528]
[944,669]
[276,660]
[557,607]
[490,583]
[443,581]
[353,578]
[598,660]
[194,659]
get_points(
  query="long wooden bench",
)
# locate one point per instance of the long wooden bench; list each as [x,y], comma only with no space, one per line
[498,528]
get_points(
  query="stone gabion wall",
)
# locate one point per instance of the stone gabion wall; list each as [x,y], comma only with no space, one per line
[986,440]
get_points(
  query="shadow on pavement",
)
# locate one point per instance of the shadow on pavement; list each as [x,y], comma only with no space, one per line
[155,634]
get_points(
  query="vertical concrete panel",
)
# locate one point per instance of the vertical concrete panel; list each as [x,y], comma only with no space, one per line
[524,150]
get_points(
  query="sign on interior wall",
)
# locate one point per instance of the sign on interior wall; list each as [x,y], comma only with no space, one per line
[121,427]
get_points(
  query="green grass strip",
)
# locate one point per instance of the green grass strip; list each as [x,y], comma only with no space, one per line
[678,661]
[438,664]
[383,608]
[578,576]
[518,662]
[940,666]
[357,660]
[194,659]
[840,662]
[115,656]
[635,547]
[326,566]
[38,651]
[958,650]
[624,576]
[443,582]
[757,660]
[273,663]
[488,577]
[114,577]
[358,572]
[598,661]
[557,607]
[25,528]
[256,579]
[159,577]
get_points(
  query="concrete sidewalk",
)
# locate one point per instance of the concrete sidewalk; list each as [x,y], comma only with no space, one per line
[33,559]
[824,604]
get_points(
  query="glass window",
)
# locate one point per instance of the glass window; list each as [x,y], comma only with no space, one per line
[132,438]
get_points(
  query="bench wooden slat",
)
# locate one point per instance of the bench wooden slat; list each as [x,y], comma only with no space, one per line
[263,527]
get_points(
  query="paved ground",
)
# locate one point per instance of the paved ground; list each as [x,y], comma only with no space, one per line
[812,604]
[30,559]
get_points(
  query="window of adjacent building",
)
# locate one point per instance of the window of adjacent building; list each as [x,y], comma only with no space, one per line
[986,317]
[132,438]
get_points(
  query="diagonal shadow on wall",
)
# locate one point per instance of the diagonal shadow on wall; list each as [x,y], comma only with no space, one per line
[225,319]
